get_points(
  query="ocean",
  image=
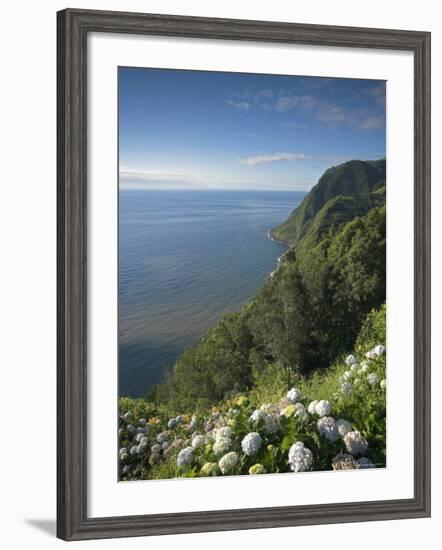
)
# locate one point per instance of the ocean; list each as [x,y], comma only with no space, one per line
[186,258]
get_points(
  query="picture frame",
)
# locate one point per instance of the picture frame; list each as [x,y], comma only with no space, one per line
[73,28]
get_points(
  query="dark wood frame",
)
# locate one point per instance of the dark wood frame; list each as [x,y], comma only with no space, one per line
[73,28]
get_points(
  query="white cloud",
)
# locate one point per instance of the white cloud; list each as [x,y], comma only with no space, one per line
[265,93]
[287,102]
[275,157]
[371,123]
[240,105]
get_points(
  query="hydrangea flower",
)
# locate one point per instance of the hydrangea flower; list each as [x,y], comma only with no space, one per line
[364,462]
[139,437]
[370,354]
[364,369]
[344,426]
[133,450]
[348,374]
[171,423]
[185,457]
[323,408]
[300,457]
[257,469]
[312,407]
[142,421]
[372,379]
[343,461]
[193,423]
[355,367]
[179,419]
[251,443]
[222,445]
[300,411]
[379,350]
[209,469]
[130,428]
[224,432]
[294,395]
[162,437]
[127,415]
[124,456]
[155,449]
[257,416]
[327,428]
[355,443]
[346,388]
[269,408]
[288,411]
[350,360]
[198,441]
[228,462]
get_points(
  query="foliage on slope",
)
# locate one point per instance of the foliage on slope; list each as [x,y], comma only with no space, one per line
[307,314]
[332,419]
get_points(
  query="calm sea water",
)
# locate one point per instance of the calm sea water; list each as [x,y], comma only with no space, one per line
[186,259]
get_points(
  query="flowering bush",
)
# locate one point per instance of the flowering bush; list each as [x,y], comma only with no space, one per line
[329,421]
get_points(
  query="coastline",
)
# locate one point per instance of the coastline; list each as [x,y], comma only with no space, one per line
[280,258]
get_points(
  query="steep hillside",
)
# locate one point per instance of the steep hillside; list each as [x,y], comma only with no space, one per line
[342,193]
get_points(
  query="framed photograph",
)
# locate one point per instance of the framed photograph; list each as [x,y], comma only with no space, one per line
[243,274]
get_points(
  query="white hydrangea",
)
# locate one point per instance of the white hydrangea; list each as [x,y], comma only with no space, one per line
[294,395]
[300,457]
[185,457]
[134,450]
[155,449]
[372,379]
[142,421]
[379,350]
[272,424]
[344,426]
[193,423]
[346,388]
[355,367]
[312,407]
[228,462]
[222,445]
[139,437]
[364,462]
[198,441]
[224,432]
[162,437]
[251,443]
[364,368]
[323,408]
[350,360]
[171,423]
[127,415]
[257,415]
[327,428]
[370,354]
[269,408]
[179,419]
[130,428]
[355,443]
[346,376]
[300,412]
[383,384]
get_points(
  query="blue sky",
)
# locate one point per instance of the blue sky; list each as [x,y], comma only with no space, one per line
[211,130]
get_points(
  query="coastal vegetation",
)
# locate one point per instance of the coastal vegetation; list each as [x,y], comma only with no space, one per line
[271,388]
